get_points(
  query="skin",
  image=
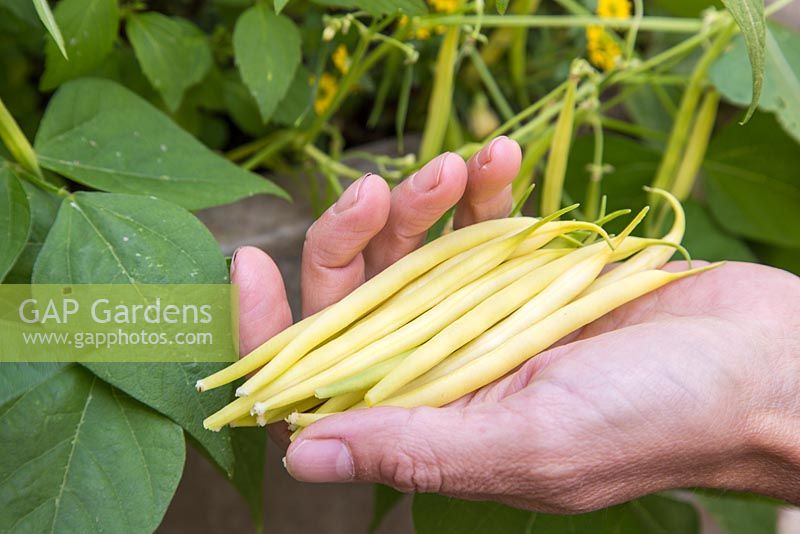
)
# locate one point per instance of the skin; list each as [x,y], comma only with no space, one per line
[692,385]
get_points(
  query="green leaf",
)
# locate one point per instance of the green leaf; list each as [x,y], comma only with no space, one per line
[633,166]
[123,239]
[44,206]
[706,240]
[378,8]
[168,388]
[434,514]
[46,16]
[390,7]
[79,456]
[751,182]
[738,516]
[17,378]
[384,499]
[749,15]
[173,53]
[280,4]
[502,6]
[781,90]
[267,50]
[249,447]
[112,238]
[90,30]
[98,133]
[297,101]
[787,259]
[15,219]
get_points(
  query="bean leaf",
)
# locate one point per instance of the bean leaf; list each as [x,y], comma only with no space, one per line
[15,218]
[378,8]
[280,4]
[173,53]
[434,514]
[77,455]
[502,6]
[17,378]
[749,15]
[267,51]
[49,21]
[113,238]
[751,181]
[781,90]
[100,134]
[89,30]
[739,516]
[44,206]
[706,240]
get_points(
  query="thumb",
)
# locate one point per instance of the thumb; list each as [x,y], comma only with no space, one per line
[442,450]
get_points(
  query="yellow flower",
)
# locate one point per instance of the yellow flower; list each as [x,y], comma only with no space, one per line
[444,6]
[325,92]
[603,50]
[341,59]
[614,9]
[419,33]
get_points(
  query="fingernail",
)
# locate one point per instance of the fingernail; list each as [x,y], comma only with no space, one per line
[320,460]
[233,261]
[350,197]
[485,155]
[429,176]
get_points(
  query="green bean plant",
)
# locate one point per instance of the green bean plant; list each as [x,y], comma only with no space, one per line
[125,117]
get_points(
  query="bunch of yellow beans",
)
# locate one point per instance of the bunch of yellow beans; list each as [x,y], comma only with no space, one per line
[449,318]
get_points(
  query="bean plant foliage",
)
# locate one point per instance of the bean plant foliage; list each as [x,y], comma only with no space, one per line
[119,119]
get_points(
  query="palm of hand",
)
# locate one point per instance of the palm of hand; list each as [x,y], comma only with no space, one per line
[671,390]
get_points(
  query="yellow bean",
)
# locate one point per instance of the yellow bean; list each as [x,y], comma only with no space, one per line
[341,403]
[356,304]
[537,338]
[652,257]
[544,293]
[406,337]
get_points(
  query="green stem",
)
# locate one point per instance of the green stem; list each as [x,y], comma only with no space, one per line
[677,139]
[658,24]
[530,110]
[331,164]
[596,171]
[41,182]
[17,143]
[517,53]
[275,143]
[491,84]
[633,31]
[632,129]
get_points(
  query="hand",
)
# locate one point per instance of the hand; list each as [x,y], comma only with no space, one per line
[693,385]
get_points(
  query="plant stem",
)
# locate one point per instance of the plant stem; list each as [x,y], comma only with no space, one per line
[530,110]
[596,171]
[632,129]
[491,85]
[331,164]
[659,24]
[630,38]
[274,144]
[677,139]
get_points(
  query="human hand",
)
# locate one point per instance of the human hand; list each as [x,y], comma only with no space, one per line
[693,385]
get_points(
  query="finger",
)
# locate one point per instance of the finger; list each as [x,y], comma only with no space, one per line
[263,308]
[416,205]
[442,450]
[333,264]
[488,192]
